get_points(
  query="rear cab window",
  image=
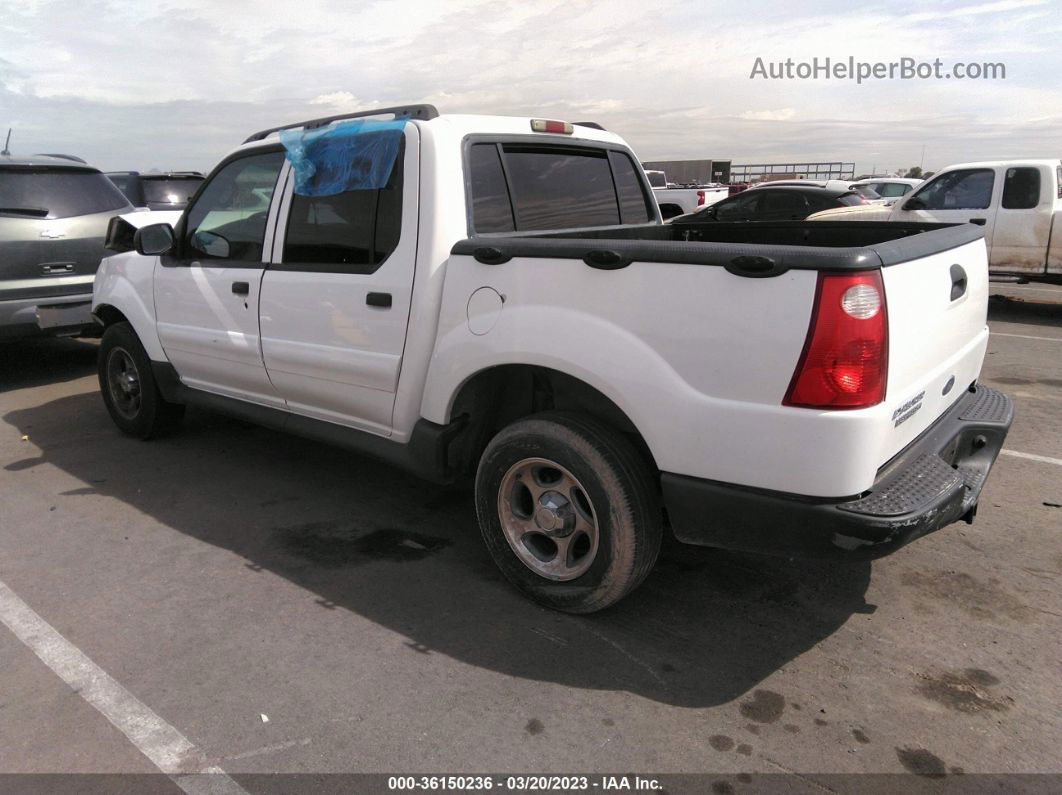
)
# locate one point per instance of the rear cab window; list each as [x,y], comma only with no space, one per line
[57,192]
[521,187]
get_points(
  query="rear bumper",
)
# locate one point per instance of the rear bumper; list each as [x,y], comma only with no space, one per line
[58,315]
[935,481]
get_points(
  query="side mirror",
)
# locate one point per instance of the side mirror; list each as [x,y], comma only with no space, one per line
[915,204]
[154,240]
[211,244]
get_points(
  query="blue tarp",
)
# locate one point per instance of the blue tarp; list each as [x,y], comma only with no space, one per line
[351,155]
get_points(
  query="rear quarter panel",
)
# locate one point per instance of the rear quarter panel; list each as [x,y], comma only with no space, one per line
[699,359]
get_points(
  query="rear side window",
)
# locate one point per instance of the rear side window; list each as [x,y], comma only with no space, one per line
[57,192]
[353,231]
[633,203]
[518,187]
[967,189]
[491,209]
[849,199]
[1021,188]
[783,201]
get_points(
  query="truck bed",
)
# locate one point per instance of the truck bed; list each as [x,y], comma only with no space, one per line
[792,245]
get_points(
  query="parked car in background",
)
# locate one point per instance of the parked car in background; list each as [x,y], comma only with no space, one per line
[503,305]
[1017,202]
[888,188]
[868,194]
[54,213]
[678,199]
[781,203]
[168,190]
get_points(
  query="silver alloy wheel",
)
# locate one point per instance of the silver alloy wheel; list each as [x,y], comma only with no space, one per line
[123,381]
[548,519]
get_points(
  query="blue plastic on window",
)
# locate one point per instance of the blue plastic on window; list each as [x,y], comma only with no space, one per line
[351,155]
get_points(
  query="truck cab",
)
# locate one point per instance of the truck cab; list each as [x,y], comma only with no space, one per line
[1018,203]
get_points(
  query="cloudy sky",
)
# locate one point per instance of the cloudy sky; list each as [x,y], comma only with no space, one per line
[174,84]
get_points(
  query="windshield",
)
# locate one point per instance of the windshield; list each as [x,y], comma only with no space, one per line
[176,190]
[57,192]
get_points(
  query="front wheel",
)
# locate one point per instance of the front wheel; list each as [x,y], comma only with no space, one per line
[569,511]
[128,386]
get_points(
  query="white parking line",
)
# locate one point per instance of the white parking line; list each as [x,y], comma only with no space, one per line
[1023,336]
[1041,458]
[168,749]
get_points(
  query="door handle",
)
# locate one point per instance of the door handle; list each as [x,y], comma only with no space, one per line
[381,300]
[241,288]
[979,221]
[958,282]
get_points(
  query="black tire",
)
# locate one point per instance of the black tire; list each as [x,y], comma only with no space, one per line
[138,408]
[623,498]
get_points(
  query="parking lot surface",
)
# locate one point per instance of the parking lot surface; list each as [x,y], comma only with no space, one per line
[285,606]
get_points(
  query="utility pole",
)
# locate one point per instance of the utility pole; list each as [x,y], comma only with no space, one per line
[922,162]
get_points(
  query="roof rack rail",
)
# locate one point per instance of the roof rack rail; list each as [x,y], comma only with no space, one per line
[422,112]
[75,158]
[592,124]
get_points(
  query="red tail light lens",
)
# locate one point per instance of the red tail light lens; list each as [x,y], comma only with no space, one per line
[844,364]
[700,198]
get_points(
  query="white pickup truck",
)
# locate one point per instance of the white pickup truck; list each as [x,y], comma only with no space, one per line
[1017,202]
[504,304]
[675,200]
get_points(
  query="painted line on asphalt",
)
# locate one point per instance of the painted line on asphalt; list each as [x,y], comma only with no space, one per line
[168,749]
[1023,336]
[1041,458]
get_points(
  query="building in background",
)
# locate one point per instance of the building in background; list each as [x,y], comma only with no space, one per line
[691,172]
[762,172]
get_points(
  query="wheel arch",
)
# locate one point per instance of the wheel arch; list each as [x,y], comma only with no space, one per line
[496,396]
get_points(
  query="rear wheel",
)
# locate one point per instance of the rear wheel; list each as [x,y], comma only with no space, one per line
[569,511]
[128,386]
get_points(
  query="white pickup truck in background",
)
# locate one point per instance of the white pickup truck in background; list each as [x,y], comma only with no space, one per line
[675,200]
[1018,203]
[505,306]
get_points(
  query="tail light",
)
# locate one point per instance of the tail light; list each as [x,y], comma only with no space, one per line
[844,363]
[700,198]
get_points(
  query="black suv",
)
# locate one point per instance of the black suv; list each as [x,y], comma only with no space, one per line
[169,190]
[54,212]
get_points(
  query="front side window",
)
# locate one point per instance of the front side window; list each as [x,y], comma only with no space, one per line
[967,189]
[742,205]
[49,192]
[528,187]
[1021,188]
[355,230]
[228,220]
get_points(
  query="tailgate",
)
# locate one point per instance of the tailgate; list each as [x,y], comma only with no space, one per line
[937,337]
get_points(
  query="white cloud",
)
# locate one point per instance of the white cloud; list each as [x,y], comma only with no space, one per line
[782,114]
[180,82]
